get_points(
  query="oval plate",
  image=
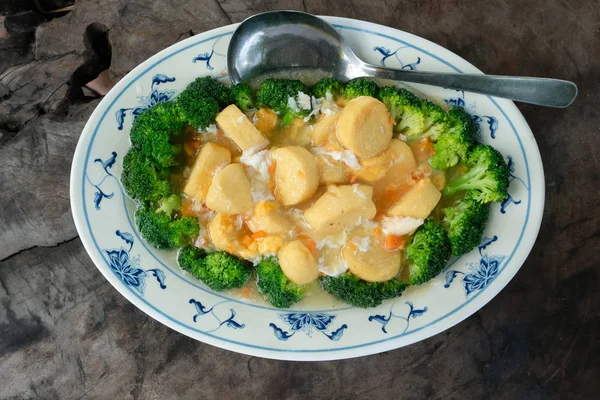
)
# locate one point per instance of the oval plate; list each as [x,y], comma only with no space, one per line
[151,279]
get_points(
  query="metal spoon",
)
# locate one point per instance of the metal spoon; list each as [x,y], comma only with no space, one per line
[284,42]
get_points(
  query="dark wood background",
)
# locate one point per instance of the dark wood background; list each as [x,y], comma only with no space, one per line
[65,333]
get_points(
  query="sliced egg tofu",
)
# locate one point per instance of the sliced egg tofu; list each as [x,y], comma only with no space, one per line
[298,263]
[341,207]
[209,160]
[230,191]
[296,175]
[238,128]
[418,202]
[365,126]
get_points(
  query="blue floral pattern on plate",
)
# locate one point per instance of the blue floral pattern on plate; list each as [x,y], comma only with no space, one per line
[125,266]
[480,274]
[387,53]
[201,311]
[385,320]
[307,322]
[156,96]
[101,194]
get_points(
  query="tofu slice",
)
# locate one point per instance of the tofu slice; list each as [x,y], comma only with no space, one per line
[268,218]
[365,126]
[374,265]
[324,130]
[296,174]
[418,202]
[211,157]
[230,191]
[397,174]
[238,127]
[298,263]
[331,171]
[341,207]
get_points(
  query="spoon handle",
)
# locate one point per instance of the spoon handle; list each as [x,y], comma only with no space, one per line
[541,91]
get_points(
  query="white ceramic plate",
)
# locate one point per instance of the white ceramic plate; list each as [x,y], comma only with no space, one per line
[152,281]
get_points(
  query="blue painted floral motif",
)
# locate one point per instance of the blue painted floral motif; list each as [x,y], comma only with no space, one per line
[491,122]
[387,53]
[385,320]
[100,194]
[307,322]
[125,267]
[156,96]
[201,311]
[206,58]
[511,177]
[480,275]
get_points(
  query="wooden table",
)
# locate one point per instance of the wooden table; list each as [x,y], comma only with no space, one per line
[65,333]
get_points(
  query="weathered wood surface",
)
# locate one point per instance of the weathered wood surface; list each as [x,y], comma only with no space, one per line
[65,333]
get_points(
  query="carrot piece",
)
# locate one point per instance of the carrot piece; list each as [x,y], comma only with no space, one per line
[310,244]
[394,242]
[247,240]
[258,235]
[352,178]
[272,168]
[245,292]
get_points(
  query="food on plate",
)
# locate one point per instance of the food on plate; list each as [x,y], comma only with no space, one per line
[359,189]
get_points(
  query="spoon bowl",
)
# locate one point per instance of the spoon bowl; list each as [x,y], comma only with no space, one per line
[292,43]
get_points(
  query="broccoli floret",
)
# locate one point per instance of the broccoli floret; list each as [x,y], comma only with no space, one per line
[281,96]
[162,231]
[455,141]
[435,120]
[487,176]
[218,270]
[353,290]
[428,252]
[153,130]
[242,97]
[361,87]
[331,85]
[202,100]
[465,222]
[170,204]
[406,109]
[142,180]
[206,86]
[275,286]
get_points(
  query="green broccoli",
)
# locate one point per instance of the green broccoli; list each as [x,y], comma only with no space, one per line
[353,290]
[465,222]
[428,252]
[275,286]
[142,180]
[218,270]
[242,97]
[407,110]
[361,87]
[455,141]
[331,85]
[282,96]
[435,120]
[208,87]
[487,176]
[197,107]
[152,131]
[161,230]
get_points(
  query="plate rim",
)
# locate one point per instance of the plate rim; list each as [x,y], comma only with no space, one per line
[528,236]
